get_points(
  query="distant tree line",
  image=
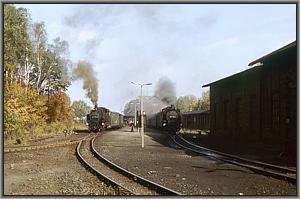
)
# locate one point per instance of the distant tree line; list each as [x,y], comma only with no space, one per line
[183,103]
[35,78]
[191,103]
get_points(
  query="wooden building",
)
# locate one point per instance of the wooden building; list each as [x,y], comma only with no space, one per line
[259,103]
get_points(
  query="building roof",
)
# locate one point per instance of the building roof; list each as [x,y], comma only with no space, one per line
[196,112]
[229,77]
[256,63]
[263,58]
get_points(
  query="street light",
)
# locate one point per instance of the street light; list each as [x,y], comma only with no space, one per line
[142,118]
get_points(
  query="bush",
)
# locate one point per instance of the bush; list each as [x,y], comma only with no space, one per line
[26,115]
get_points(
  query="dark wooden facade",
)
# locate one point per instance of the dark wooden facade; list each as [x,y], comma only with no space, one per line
[196,120]
[259,103]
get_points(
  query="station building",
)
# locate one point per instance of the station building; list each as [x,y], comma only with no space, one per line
[259,103]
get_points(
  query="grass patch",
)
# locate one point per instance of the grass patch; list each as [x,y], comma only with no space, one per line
[194,131]
[80,126]
[42,131]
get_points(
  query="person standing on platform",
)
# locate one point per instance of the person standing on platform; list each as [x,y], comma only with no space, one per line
[131,125]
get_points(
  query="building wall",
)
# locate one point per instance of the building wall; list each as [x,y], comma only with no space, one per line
[235,105]
[279,99]
[260,103]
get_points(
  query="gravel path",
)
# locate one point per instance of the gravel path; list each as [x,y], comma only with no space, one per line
[49,172]
[113,175]
[183,171]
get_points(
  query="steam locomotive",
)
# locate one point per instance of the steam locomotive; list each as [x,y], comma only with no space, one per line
[168,119]
[101,118]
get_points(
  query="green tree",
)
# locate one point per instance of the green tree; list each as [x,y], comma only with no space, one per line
[59,79]
[17,44]
[204,102]
[33,67]
[50,73]
[80,108]
[186,103]
[39,39]
[54,77]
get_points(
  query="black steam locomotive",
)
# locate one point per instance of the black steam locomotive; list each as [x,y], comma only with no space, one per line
[101,118]
[168,119]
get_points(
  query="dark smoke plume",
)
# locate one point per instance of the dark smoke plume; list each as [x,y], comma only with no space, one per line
[151,105]
[84,71]
[165,91]
[165,95]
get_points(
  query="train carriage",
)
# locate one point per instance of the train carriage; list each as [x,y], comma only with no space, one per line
[196,120]
[116,120]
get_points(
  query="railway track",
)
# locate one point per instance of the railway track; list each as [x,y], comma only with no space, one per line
[45,146]
[275,171]
[125,182]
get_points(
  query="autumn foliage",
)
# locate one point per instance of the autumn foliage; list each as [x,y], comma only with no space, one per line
[35,78]
[59,107]
[27,113]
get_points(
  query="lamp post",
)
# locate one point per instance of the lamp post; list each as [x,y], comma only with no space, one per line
[142,118]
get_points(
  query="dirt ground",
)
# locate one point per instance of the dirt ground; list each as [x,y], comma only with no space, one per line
[184,171]
[55,171]
[251,150]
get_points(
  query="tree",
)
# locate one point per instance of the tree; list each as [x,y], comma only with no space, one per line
[17,44]
[54,77]
[204,102]
[23,110]
[50,72]
[59,108]
[186,103]
[39,39]
[32,67]
[58,79]
[80,108]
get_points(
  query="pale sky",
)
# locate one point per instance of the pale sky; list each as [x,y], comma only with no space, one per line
[191,44]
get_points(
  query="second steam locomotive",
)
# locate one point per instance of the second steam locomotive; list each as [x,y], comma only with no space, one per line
[101,118]
[168,119]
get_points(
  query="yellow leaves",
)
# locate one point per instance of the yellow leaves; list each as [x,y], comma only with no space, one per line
[59,107]
[22,109]
[26,111]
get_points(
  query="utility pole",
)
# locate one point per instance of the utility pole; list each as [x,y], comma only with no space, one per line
[142,117]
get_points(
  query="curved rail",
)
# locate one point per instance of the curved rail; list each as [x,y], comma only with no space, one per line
[101,176]
[151,185]
[44,146]
[260,167]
